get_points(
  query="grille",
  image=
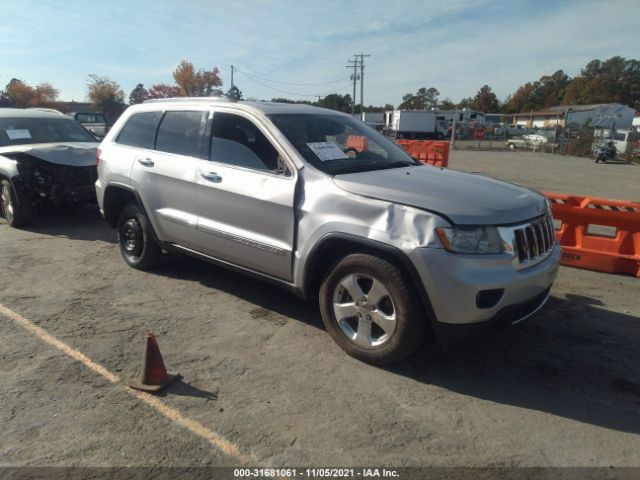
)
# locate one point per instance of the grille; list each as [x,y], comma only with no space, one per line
[534,240]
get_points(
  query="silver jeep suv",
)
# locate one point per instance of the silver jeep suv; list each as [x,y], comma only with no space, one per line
[318,202]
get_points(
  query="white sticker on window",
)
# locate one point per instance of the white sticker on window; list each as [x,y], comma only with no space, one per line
[327,151]
[15,134]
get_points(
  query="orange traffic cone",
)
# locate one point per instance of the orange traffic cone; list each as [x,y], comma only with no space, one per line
[153,376]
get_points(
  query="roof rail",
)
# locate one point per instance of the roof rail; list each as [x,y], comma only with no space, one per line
[189,99]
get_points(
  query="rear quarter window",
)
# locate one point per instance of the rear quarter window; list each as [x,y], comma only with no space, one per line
[140,130]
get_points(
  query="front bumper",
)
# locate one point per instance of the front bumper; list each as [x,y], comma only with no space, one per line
[453,283]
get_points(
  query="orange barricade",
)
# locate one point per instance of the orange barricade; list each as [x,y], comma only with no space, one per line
[598,234]
[427,151]
[360,143]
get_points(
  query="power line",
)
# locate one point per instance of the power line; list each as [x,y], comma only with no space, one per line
[291,83]
[291,93]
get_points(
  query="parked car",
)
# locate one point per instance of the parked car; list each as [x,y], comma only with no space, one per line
[44,157]
[533,141]
[96,123]
[390,248]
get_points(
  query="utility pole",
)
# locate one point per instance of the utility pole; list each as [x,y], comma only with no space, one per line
[232,68]
[453,130]
[361,56]
[355,77]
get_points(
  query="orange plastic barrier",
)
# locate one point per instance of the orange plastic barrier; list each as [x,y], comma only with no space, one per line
[360,143]
[434,153]
[598,234]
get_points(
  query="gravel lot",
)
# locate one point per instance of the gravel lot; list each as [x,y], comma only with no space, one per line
[562,389]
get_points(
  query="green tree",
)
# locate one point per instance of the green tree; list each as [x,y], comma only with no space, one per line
[614,80]
[465,103]
[547,91]
[335,101]
[424,98]
[234,94]
[105,95]
[138,95]
[447,104]
[485,100]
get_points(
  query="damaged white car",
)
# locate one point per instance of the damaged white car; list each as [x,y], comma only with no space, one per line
[44,158]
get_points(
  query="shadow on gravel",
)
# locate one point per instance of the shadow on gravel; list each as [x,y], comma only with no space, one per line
[181,388]
[574,359]
[266,297]
[81,222]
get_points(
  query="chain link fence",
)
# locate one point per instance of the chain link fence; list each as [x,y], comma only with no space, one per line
[560,141]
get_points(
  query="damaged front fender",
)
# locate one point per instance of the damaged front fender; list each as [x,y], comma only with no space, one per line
[326,210]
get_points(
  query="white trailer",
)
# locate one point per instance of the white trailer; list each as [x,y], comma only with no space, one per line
[415,124]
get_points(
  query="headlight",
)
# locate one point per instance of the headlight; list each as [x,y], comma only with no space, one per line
[471,240]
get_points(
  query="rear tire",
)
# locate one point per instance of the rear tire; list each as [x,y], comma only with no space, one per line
[16,215]
[135,237]
[384,325]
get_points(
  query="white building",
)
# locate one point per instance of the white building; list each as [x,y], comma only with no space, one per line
[604,115]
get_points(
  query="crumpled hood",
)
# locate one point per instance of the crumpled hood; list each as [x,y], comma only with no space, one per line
[464,198]
[74,154]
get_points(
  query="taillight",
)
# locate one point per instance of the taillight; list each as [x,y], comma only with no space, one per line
[98,152]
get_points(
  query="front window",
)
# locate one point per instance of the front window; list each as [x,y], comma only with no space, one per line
[25,131]
[337,144]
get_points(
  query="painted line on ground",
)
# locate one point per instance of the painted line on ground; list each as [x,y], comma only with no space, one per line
[218,441]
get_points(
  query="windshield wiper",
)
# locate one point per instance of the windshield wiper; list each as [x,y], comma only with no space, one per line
[355,169]
[400,163]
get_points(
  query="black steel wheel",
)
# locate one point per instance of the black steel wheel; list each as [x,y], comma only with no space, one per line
[135,236]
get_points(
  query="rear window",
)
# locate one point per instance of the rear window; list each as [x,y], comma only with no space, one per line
[140,130]
[181,133]
[90,118]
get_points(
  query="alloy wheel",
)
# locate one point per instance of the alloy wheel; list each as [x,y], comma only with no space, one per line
[7,203]
[364,310]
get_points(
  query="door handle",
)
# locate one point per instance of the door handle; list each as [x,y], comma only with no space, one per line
[147,162]
[211,176]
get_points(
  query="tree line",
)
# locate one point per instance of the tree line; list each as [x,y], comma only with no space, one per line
[614,80]
[108,97]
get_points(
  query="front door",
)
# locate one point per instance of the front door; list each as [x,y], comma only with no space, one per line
[245,196]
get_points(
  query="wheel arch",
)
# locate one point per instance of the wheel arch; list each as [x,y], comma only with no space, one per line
[116,197]
[334,246]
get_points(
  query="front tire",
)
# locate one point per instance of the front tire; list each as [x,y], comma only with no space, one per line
[135,237]
[16,215]
[371,310]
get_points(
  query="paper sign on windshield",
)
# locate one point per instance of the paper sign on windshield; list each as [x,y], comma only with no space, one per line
[15,134]
[327,151]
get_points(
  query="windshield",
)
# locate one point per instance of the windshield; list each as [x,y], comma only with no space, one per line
[337,144]
[24,131]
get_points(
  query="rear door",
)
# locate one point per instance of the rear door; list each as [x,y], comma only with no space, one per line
[245,195]
[165,176]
